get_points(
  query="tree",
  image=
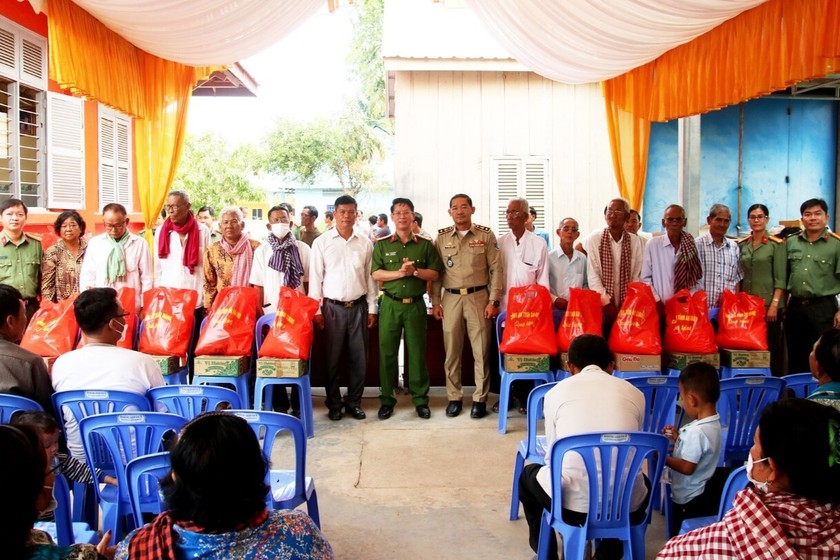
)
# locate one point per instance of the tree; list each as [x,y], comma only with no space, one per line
[214,174]
[365,57]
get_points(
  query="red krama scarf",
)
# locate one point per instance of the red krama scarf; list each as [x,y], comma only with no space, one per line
[190,228]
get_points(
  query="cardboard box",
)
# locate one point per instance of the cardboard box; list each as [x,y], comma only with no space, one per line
[221,366]
[678,360]
[526,363]
[564,361]
[280,367]
[744,358]
[167,364]
[638,362]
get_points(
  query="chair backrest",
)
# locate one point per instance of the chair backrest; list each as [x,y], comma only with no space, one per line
[536,399]
[265,321]
[610,489]
[741,401]
[267,425]
[735,482]
[191,400]
[802,384]
[143,475]
[661,392]
[84,403]
[12,404]
[126,436]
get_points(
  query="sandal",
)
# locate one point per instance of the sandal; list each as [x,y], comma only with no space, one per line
[523,411]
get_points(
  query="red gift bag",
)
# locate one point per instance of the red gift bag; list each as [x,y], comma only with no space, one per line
[53,329]
[687,327]
[529,327]
[291,334]
[229,330]
[583,316]
[127,297]
[636,328]
[741,323]
[169,321]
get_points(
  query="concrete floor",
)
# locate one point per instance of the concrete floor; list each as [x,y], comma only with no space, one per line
[421,489]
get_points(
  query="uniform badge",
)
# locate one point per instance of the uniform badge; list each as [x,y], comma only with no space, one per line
[449,262]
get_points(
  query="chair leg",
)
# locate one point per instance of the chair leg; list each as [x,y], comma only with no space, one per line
[636,546]
[504,399]
[312,508]
[306,413]
[518,465]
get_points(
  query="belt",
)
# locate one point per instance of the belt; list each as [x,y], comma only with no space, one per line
[811,300]
[345,304]
[465,291]
[414,299]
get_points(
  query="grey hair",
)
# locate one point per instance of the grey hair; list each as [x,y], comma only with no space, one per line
[523,204]
[180,194]
[717,207]
[624,201]
[232,210]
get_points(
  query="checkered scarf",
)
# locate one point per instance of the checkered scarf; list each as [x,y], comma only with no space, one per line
[772,526]
[608,266]
[285,258]
[156,541]
[687,270]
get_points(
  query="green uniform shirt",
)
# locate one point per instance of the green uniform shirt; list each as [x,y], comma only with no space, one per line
[765,268]
[389,253]
[20,265]
[470,260]
[813,268]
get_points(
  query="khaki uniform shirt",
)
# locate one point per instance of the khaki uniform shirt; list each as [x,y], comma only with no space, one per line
[469,261]
[20,265]
[813,268]
[388,254]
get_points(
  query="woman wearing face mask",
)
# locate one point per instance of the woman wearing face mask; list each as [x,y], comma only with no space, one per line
[228,261]
[792,509]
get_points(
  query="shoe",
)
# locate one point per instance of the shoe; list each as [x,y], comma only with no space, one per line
[512,403]
[355,411]
[335,414]
[423,411]
[385,412]
[454,408]
[479,410]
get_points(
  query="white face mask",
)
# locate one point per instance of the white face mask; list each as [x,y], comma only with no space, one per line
[280,230]
[760,486]
[123,332]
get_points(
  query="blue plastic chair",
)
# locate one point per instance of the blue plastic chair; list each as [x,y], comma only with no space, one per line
[609,495]
[802,384]
[264,387]
[661,392]
[508,378]
[178,377]
[727,372]
[143,475]
[532,448]
[241,383]
[63,530]
[191,400]
[628,375]
[12,404]
[289,488]
[124,436]
[742,399]
[736,482]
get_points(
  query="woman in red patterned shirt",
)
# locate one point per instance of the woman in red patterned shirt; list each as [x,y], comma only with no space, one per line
[792,509]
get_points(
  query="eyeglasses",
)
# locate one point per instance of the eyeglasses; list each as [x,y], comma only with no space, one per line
[567,228]
[673,220]
[758,217]
[111,227]
[513,212]
[615,212]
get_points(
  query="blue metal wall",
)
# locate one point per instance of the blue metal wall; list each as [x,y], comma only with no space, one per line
[790,149]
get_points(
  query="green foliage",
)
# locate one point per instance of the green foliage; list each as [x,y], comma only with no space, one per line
[365,58]
[214,174]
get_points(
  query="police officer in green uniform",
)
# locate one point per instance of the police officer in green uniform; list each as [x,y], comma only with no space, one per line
[467,297]
[813,258]
[20,254]
[404,263]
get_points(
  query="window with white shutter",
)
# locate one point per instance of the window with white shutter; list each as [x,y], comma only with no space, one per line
[114,158]
[519,177]
[66,152]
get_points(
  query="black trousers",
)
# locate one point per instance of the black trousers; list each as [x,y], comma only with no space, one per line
[806,321]
[346,328]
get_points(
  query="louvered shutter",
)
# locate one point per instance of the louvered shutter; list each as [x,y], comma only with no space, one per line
[536,189]
[33,64]
[8,54]
[114,158]
[65,152]
[122,153]
[505,180]
[520,177]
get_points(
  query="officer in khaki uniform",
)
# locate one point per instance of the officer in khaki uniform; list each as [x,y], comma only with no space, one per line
[20,254]
[404,263]
[813,258]
[467,297]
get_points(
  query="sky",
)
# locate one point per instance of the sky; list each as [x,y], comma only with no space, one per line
[302,77]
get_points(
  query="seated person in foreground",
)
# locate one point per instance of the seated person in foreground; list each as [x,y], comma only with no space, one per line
[824,362]
[591,400]
[793,508]
[216,497]
[28,490]
[696,446]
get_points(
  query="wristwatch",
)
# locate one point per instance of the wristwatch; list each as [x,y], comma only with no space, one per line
[494,302]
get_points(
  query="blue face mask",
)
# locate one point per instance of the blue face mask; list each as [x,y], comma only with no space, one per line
[760,486]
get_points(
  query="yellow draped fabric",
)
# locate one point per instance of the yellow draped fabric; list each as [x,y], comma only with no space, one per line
[92,61]
[629,136]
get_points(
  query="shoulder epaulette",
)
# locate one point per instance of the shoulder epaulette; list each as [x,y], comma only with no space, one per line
[834,235]
[775,239]
[385,237]
[743,239]
[446,230]
[34,236]
[483,228]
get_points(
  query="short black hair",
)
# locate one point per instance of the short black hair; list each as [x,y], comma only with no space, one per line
[115,207]
[9,302]
[532,211]
[345,199]
[39,420]
[384,217]
[636,212]
[590,349]
[220,470]
[795,433]
[64,216]
[418,217]
[208,209]
[373,219]
[287,207]
[95,308]
[12,203]
[277,208]
[460,195]
[405,201]
[827,353]
[313,212]
[701,379]
[811,202]
[328,215]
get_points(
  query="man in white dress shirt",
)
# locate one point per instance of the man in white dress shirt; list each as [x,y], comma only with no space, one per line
[117,258]
[339,277]
[566,266]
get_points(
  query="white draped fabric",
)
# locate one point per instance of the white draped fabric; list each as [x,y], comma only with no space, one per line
[202,32]
[580,41]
